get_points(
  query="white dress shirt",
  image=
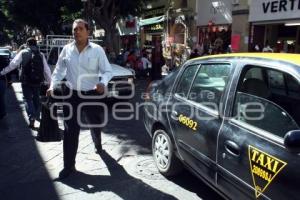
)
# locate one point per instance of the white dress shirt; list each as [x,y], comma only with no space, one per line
[146,63]
[17,60]
[82,70]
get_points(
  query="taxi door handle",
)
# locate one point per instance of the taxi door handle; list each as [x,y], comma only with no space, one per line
[174,115]
[232,148]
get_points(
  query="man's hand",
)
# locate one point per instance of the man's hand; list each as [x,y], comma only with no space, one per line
[100,88]
[49,92]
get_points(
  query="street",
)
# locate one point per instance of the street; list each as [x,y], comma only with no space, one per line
[29,169]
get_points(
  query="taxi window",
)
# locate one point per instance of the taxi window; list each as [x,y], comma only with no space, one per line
[276,93]
[276,79]
[186,80]
[209,85]
[263,114]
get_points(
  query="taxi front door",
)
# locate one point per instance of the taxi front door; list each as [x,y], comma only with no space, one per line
[196,125]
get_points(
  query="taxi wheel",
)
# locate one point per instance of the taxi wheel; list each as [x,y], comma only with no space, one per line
[163,153]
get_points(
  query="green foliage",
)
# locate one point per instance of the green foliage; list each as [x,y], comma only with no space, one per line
[45,15]
[49,15]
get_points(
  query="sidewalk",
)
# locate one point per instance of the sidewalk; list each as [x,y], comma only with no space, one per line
[28,169]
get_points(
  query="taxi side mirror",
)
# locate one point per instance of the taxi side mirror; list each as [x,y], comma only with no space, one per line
[292,141]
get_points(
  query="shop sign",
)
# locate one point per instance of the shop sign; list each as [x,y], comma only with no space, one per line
[154,12]
[268,10]
[154,28]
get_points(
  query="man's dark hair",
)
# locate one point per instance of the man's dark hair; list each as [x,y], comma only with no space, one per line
[86,24]
[31,41]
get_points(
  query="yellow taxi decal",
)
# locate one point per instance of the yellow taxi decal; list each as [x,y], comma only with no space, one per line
[188,122]
[264,168]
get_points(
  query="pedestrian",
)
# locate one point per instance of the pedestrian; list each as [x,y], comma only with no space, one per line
[256,48]
[81,62]
[267,49]
[146,64]
[34,71]
[194,54]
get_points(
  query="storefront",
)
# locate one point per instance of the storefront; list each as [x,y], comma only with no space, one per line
[275,23]
[152,25]
[214,21]
[128,31]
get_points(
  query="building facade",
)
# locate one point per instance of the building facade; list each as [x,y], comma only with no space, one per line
[258,24]
[275,23]
[214,21]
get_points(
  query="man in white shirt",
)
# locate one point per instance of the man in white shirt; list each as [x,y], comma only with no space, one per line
[30,81]
[81,63]
[146,64]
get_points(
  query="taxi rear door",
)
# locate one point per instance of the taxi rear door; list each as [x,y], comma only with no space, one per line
[252,159]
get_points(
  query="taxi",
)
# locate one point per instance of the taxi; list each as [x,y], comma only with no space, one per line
[233,120]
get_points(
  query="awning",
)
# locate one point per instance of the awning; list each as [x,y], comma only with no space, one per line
[153,20]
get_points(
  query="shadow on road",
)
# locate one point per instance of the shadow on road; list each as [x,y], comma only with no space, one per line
[118,183]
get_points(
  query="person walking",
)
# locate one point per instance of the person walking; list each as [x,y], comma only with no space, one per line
[146,65]
[34,71]
[194,54]
[81,63]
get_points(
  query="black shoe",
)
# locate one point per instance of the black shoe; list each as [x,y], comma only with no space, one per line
[66,172]
[98,149]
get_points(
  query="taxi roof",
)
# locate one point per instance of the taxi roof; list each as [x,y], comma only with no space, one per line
[287,57]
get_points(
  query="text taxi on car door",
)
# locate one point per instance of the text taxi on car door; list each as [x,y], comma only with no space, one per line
[233,120]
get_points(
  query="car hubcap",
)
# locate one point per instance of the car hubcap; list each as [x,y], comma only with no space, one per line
[161,151]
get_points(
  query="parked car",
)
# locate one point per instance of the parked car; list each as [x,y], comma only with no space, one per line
[233,120]
[15,72]
[4,50]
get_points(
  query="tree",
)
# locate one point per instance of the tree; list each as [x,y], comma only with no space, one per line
[43,14]
[106,13]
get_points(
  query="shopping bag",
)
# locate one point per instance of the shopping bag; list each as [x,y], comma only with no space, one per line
[49,130]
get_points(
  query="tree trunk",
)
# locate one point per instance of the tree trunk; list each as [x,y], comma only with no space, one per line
[111,39]
[106,16]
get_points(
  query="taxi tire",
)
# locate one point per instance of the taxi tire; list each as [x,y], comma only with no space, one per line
[174,165]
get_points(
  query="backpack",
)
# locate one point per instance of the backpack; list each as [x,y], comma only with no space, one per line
[32,72]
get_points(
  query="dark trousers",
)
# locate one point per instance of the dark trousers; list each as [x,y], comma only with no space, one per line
[32,100]
[93,115]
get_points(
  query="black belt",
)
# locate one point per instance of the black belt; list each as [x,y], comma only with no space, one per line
[88,92]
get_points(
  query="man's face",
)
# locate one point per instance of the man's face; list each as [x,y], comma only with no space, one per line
[80,32]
